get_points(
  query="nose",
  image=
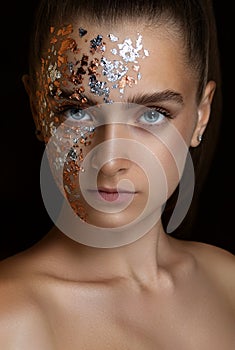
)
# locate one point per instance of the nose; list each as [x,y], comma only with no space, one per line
[110,156]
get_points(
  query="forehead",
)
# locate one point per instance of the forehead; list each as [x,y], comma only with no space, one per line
[112,64]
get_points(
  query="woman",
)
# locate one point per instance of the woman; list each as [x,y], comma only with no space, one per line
[121,95]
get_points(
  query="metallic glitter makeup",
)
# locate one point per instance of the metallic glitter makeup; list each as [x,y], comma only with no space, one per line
[73,66]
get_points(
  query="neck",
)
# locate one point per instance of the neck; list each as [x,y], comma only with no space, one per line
[141,260]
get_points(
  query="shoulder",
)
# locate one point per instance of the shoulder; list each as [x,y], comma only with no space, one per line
[21,318]
[218,260]
[219,266]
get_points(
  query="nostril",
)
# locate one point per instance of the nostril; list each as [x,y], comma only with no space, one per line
[111,167]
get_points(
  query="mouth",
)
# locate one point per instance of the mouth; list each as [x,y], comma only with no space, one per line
[112,194]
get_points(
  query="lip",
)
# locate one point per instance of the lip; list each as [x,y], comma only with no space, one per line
[112,194]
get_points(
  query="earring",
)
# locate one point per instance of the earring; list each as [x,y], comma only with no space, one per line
[199,138]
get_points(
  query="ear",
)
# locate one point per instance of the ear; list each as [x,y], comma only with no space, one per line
[204,110]
[34,110]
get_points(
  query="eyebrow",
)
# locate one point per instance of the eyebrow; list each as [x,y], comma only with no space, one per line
[157,96]
[141,99]
[67,94]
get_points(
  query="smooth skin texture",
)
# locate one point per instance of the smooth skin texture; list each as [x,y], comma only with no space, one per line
[153,294]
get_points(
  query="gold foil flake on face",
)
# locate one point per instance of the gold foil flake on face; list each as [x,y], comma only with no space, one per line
[117,72]
[53,40]
[68,44]
[62,32]
[93,66]
[66,66]
[65,30]
[79,95]
[126,81]
[84,60]
[73,166]
[70,183]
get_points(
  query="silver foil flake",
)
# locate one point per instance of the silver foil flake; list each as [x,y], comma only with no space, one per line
[113,70]
[112,37]
[82,32]
[146,52]
[72,154]
[59,163]
[53,130]
[97,44]
[128,52]
[98,87]
[114,51]
[75,140]
[88,129]
[71,67]
[53,73]
[107,100]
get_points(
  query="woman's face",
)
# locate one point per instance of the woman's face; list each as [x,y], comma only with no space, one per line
[118,111]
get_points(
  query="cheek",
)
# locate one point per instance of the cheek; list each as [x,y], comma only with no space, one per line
[171,170]
[170,150]
[66,150]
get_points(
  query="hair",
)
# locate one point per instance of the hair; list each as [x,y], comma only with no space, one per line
[192,20]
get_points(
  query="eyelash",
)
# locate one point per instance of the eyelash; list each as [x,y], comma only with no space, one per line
[159,110]
[63,110]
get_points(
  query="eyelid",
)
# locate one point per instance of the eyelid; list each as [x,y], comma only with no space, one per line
[162,115]
[159,109]
[62,113]
[61,108]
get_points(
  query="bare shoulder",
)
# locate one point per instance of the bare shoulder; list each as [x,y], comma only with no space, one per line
[218,264]
[21,318]
[216,259]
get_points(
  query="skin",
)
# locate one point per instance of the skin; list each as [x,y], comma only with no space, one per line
[155,293]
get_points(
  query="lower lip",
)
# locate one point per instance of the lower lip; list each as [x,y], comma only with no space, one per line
[109,196]
[117,197]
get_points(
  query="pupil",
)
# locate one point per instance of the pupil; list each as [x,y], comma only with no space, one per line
[151,116]
[77,114]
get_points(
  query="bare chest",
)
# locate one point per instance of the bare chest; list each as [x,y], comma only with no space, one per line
[103,322]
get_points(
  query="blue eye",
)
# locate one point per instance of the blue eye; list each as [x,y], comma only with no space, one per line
[152,117]
[77,114]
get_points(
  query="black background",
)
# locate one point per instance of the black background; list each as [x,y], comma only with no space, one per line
[24,219]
